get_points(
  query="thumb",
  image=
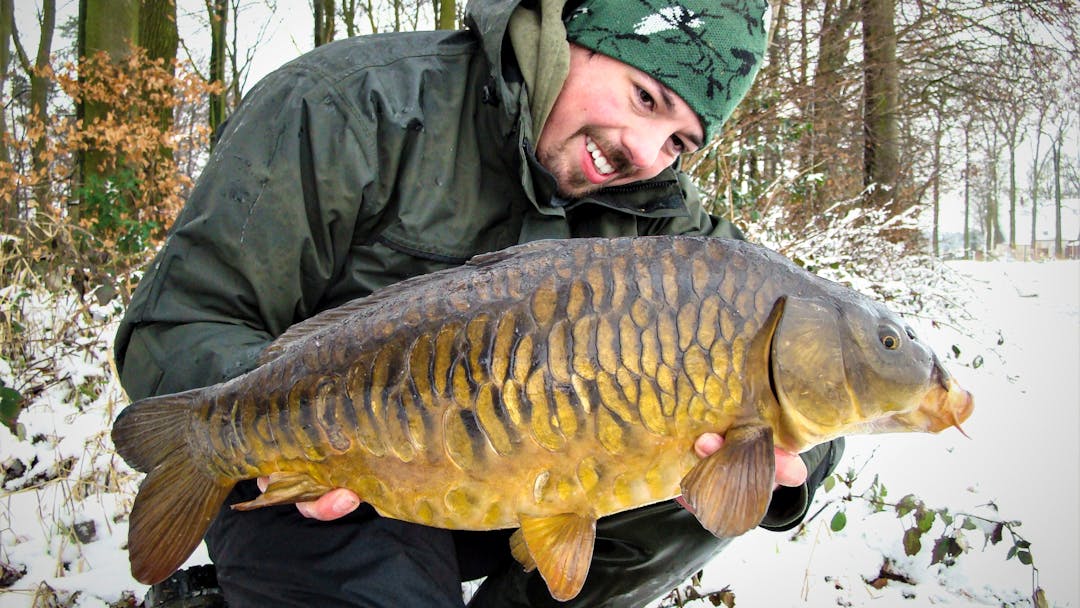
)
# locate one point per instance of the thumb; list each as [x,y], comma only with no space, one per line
[332,505]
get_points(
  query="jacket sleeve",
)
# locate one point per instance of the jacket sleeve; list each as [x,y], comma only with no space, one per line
[790,505]
[262,235]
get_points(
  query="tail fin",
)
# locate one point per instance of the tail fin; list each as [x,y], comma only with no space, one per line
[179,496]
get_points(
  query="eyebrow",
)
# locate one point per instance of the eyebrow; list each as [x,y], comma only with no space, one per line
[669,104]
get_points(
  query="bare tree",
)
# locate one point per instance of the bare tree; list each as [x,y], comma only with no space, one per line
[1044,100]
[323,11]
[218,12]
[1009,103]
[939,113]
[7,25]
[157,31]
[158,34]
[39,93]
[968,175]
[347,12]
[990,146]
[881,164]
[830,115]
[1061,123]
[446,16]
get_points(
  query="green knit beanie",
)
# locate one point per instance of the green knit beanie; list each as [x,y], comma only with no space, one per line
[706,51]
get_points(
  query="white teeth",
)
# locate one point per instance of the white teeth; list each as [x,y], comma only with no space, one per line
[602,165]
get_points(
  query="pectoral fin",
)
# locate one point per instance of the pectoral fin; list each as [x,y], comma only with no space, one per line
[560,546]
[730,490]
[286,489]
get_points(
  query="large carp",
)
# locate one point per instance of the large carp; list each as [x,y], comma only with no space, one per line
[540,388]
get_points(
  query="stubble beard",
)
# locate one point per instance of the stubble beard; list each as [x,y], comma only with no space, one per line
[563,164]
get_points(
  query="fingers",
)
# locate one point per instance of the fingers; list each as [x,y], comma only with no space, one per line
[682,503]
[790,469]
[332,505]
[707,443]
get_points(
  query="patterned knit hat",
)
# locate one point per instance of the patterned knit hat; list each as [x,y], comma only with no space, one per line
[706,51]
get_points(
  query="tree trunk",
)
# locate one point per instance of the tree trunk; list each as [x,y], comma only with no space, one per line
[348,17]
[111,26]
[369,9]
[219,19]
[769,78]
[881,164]
[1059,251]
[1012,197]
[9,209]
[158,32]
[324,21]
[447,15]
[1035,175]
[159,36]
[936,184]
[829,127]
[1013,136]
[990,221]
[967,190]
[7,22]
[39,99]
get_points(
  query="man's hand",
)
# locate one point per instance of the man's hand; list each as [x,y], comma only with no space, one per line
[332,505]
[790,468]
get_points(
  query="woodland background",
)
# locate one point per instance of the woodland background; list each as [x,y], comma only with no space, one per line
[884,105]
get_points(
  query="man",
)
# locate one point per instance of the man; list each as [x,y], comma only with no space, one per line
[374,159]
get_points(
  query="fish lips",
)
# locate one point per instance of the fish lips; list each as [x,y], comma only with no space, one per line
[944,405]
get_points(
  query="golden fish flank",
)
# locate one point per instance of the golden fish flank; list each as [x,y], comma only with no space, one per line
[541,388]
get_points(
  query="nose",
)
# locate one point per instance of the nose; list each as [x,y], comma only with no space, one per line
[645,147]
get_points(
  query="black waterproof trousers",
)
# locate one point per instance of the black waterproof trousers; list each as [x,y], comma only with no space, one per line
[275,557]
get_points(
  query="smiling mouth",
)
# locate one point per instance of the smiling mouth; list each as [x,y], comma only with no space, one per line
[600,162]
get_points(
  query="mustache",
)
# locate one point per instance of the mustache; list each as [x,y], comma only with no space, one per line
[614,153]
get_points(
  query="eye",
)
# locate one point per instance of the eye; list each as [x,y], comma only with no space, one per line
[889,338]
[678,144]
[645,98]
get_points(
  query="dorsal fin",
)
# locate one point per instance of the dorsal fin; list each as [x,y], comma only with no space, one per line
[362,306]
[299,332]
[531,248]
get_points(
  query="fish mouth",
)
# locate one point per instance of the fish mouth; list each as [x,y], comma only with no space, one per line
[945,405]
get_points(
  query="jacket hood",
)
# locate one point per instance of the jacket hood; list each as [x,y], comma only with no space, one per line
[490,20]
[530,35]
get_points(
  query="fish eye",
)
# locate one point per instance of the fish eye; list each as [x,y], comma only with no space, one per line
[889,338]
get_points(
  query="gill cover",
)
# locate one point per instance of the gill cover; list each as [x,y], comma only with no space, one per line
[808,369]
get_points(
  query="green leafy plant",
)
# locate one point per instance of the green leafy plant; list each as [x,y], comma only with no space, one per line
[109,203]
[11,404]
[953,539]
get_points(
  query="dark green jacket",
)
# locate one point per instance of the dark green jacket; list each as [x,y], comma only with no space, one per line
[357,165]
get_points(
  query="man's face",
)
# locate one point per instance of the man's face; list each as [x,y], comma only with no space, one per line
[613,124]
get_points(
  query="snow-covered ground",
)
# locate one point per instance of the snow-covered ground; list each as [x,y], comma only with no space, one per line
[62,520]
